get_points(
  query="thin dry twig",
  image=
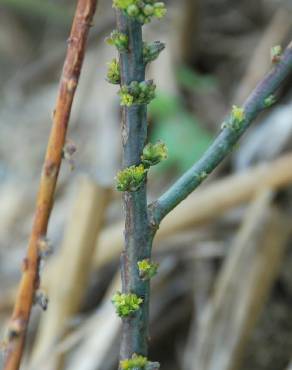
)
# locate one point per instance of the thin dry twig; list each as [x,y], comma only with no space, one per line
[30,278]
[86,220]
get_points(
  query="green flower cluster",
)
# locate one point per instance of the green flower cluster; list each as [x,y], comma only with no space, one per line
[136,362]
[154,153]
[147,269]
[237,117]
[113,72]
[141,10]
[126,304]
[276,53]
[151,50]
[131,178]
[119,40]
[269,101]
[137,93]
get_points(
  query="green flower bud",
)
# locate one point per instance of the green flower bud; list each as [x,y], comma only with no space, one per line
[134,88]
[237,117]
[136,362]
[154,153]
[269,101]
[159,10]
[113,73]
[148,9]
[133,10]
[131,178]
[123,4]
[152,50]
[143,86]
[141,18]
[119,40]
[126,304]
[126,100]
[147,269]
[276,53]
[141,93]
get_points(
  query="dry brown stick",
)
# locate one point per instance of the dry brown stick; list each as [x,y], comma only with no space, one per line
[86,220]
[242,287]
[30,277]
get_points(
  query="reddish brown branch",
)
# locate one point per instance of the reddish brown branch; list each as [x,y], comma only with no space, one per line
[30,277]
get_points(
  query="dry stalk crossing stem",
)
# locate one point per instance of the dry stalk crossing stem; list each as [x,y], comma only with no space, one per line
[30,277]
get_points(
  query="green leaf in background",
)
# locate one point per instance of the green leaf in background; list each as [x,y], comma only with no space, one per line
[183,134]
[53,11]
[194,81]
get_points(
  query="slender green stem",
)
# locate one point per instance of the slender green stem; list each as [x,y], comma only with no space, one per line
[138,235]
[224,142]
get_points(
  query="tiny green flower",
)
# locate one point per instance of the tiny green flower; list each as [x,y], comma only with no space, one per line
[276,52]
[134,88]
[159,10]
[154,153]
[119,40]
[141,10]
[113,73]
[133,10]
[152,50]
[126,304]
[140,93]
[238,113]
[136,362]
[148,9]
[237,117]
[147,269]
[131,178]
[127,100]
[203,175]
[123,4]
[269,101]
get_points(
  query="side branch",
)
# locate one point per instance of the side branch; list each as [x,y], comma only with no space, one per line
[225,141]
[30,278]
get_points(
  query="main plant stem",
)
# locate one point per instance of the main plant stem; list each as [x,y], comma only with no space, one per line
[30,278]
[138,234]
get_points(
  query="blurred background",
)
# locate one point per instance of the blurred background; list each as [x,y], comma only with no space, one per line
[222,298]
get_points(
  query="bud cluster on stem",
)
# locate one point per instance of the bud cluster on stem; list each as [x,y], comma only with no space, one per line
[132,304]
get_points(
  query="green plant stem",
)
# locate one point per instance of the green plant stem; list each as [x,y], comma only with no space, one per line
[138,234]
[224,142]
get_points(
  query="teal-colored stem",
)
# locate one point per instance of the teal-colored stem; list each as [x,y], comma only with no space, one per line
[224,142]
[138,234]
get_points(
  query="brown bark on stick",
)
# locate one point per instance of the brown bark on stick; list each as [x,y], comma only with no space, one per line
[30,277]
[81,232]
